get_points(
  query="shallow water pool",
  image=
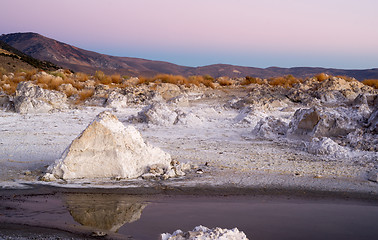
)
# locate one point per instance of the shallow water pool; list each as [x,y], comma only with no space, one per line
[145,217]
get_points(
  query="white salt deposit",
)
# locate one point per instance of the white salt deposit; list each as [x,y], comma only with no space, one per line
[204,233]
[106,148]
[270,127]
[157,114]
[326,146]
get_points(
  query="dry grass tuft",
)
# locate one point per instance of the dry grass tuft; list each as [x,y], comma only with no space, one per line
[2,71]
[322,77]
[116,79]
[67,71]
[371,82]
[251,80]
[81,77]
[286,81]
[29,74]
[168,78]
[58,74]
[84,94]
[225,81]
[346,78]
[9,87]
[99,75]
[70,91]
[49,82]
[106,80]
[143,80]
[204,80]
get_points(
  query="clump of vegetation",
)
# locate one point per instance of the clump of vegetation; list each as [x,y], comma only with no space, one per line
[286,81]
[81,77]
[84,95]
[322,77]
[2,71]
[58,74]
[207,81]
[116,79]
[371,82]
[346,78]
[204,80]
[225,81]
[168,78]
[251,80]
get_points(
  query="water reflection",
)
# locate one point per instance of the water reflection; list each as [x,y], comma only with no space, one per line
[106,212]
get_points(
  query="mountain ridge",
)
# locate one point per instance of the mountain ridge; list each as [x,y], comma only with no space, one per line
[81,60]
[11,59]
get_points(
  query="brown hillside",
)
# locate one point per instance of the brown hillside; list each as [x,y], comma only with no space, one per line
[81,60]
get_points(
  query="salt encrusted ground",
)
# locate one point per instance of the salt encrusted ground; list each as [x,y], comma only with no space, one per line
[219,139]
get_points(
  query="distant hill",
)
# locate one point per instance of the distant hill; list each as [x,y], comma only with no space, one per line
[12,60]
[81,60]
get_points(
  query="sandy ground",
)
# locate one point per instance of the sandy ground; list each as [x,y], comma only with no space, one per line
[226,151]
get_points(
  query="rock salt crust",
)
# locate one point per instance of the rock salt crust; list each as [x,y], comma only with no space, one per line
[106,149]
[204,233]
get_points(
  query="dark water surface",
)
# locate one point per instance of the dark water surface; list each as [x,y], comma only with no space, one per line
[143,217]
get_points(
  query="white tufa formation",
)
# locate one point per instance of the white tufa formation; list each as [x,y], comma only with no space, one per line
[106,149]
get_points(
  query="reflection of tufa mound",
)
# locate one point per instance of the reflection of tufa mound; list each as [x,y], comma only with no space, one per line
[106,148]
[104,212]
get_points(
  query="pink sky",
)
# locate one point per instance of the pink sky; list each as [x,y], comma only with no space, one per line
[285,33]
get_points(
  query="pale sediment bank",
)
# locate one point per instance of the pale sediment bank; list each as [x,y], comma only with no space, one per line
[316,136]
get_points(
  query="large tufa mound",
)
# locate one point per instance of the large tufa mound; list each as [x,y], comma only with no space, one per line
[106,149]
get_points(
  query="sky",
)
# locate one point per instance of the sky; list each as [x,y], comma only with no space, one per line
[282,33]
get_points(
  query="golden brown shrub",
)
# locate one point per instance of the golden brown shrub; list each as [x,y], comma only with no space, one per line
[346,78]
[195,80]
[81,77]
[106,80]
[322,76]
[225,81]
[70,91]
[286,81]
[251,80]
[371,82]
[168,78]
[99,75]
[2,71]
[116,78]
[85,94]
[30,74]
[9,87]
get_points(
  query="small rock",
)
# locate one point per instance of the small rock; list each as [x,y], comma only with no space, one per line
[48,177]
[148,176]
[373,176]
[98,234]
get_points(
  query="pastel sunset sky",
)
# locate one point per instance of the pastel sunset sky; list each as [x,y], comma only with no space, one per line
[283,33]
